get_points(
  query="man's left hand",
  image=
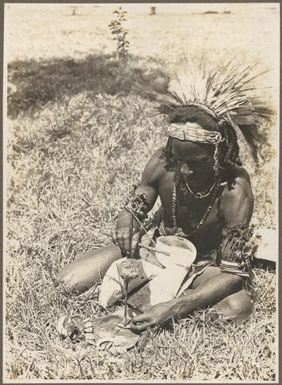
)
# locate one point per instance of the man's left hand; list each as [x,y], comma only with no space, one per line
[155,315]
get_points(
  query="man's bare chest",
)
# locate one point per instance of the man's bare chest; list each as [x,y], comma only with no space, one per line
[180,206]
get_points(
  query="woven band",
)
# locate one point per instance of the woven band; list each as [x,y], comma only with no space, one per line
[188,131]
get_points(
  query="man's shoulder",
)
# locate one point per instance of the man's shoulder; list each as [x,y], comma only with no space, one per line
[155,167]
[238,200]
[159,154]
[158,159]
[239,185]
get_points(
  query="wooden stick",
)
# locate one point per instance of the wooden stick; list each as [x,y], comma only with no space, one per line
[153,249]
[125,303]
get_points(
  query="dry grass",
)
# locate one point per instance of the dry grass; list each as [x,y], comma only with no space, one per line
[71,165]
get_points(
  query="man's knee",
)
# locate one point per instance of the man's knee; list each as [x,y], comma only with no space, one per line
[237,306]
[88,270]
[72,279]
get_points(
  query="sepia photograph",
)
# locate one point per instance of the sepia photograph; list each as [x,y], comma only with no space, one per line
[140,192]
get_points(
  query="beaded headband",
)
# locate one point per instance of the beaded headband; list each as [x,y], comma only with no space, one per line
[188,131]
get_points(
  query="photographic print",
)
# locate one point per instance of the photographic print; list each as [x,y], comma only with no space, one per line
[141,147]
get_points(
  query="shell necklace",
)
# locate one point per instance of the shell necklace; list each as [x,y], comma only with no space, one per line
[178,231]
[197,194]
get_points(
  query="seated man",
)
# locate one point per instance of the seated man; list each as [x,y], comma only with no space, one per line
[202,187]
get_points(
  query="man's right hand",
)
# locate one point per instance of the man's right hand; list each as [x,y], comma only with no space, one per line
[128,243]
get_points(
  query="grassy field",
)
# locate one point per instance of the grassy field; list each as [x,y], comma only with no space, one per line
[78,137]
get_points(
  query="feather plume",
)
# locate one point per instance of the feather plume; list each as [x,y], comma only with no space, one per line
[226,93]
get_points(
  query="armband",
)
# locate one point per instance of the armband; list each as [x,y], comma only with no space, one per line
[138,206]
[236,252]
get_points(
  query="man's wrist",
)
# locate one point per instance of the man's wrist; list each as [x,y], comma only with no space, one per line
[177,306]
[182,305]
[138,206]
[173,307]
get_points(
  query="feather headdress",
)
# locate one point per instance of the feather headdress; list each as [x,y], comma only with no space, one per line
[226,94]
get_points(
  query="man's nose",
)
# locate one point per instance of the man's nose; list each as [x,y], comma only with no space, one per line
[186,170]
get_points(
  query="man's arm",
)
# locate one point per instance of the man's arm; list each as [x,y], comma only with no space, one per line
[215,289]
[127,232]
[238,203]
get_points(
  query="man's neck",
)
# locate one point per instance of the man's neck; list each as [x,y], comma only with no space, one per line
[201,187]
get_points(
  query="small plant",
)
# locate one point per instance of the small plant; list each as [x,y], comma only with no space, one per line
[119,32]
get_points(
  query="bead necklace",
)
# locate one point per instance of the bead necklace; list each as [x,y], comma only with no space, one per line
[197,194]
[173,210]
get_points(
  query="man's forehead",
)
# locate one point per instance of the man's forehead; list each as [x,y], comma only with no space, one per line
[194,125]
[188,147]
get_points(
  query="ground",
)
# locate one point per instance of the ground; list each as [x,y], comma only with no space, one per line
[76,127]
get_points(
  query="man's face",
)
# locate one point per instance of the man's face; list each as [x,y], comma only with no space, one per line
[194,160]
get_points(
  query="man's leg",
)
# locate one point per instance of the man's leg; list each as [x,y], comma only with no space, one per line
[237,305]
[87,270]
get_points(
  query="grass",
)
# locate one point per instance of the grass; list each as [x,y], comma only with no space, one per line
[76,145]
